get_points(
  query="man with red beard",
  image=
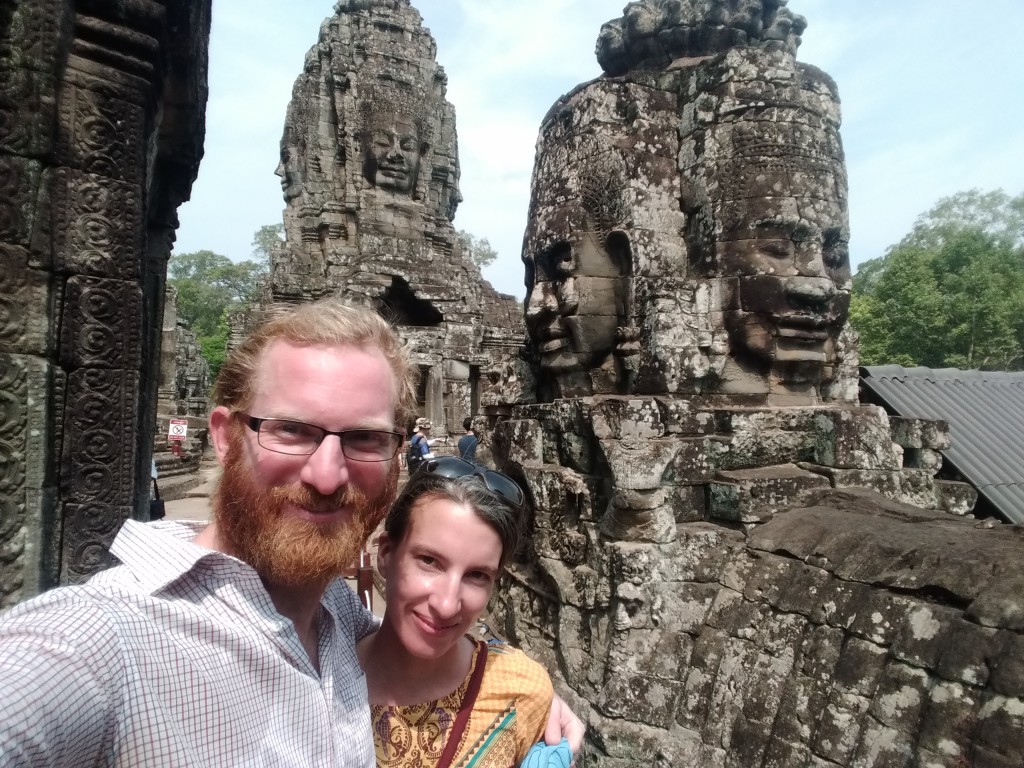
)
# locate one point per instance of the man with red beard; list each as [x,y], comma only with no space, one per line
[233,644]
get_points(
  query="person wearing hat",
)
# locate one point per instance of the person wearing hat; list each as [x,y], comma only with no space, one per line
[419,444]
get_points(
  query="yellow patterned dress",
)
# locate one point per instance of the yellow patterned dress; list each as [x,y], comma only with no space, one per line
[507,718]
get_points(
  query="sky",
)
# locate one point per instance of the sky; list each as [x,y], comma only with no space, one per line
[932,96]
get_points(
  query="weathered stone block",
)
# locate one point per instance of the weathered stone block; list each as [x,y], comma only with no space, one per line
[878,615]
[616,418]
[901,696]
[456,370]
[860,667]
[102,324]
[819,653]
[754,495]
[955,498]
[524,440]
[854,439]
[883,747]
[739,617]
[24,319]
[683,607]
[948,722]
[1008,671]
[679,418]
[640,698]
[99,438]
[748,741]
[1000,726]
[803,592]
[785,754]
[688,502]
[97,225]
[1001,604]
[638,464]
[839,602]
[101,133]
[655,525]
[661,652]
[696,460]
[923,635]
[19,185]
[839,727]
[970,652]
[802,705]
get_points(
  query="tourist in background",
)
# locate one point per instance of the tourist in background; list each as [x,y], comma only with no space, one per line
[468,442]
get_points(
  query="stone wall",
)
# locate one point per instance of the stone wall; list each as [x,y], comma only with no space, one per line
[730,561]
[100,138]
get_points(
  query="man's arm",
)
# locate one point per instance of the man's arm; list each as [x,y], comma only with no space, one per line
[562,722]
[57,699]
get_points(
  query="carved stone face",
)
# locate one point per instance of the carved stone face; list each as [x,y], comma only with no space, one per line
[790,260]
[393,152]
[290,173]
[576,301]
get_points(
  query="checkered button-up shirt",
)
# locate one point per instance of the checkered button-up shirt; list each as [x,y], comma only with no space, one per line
[179,658]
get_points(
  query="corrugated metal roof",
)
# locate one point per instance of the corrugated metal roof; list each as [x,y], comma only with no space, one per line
[985,411]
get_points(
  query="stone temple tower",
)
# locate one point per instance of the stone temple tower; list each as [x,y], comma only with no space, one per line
[370,174]
[731,561]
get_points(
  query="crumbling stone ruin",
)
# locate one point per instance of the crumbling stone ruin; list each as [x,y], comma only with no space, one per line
[732,562]
[183,393]
[370,170]
[101,132]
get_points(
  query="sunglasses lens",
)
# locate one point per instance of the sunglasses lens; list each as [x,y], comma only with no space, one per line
[496,482]
[504,487]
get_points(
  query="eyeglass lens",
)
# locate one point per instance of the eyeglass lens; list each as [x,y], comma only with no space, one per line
[299,438]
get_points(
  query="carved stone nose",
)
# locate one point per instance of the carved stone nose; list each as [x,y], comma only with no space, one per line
[810,291]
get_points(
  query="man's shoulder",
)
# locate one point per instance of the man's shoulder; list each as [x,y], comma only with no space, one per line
[83,616]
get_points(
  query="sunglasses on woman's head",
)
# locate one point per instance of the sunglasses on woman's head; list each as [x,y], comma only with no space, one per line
[496,482]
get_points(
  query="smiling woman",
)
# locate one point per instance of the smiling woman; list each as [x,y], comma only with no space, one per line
[438,696]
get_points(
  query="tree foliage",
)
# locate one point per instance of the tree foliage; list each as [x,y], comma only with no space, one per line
[478,249]
[951,293]
[211,286]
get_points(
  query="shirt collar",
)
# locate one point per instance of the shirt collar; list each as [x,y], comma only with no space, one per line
[162,552]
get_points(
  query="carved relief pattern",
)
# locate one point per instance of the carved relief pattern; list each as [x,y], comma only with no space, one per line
[89,530]
[22,294]
[13,426]
[97,225]
[101,325]
[19,180]
[99,434]
[101,134]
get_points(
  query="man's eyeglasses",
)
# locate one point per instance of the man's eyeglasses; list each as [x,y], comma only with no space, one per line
[297,438]
[496,482]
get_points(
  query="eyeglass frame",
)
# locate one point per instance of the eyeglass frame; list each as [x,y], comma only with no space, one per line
[255,423]
[430,466]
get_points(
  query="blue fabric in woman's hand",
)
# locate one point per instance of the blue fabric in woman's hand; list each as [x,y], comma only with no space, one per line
[543,756]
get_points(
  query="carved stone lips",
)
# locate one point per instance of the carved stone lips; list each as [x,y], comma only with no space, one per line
[552,337]
[806,327]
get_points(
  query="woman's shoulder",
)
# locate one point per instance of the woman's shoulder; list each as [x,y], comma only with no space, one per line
[517,670]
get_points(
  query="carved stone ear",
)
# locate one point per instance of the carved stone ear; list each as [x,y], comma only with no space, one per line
[620,250]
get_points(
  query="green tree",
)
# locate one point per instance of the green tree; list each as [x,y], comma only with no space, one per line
[265,241]
[478,249]
[211,286]
[951,293]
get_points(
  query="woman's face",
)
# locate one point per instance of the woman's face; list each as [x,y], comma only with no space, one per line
[439,577]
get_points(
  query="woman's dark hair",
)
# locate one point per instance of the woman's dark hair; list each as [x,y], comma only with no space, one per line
[468,491]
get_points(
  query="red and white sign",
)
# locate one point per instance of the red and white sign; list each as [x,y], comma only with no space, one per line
[177,430]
